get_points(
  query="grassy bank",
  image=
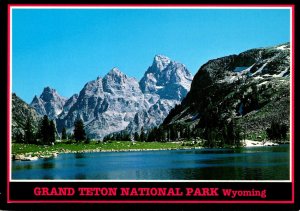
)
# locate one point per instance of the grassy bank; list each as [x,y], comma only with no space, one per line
[38,150]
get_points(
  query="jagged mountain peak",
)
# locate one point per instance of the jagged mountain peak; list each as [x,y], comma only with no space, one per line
[114,79]
[49,103]
[50,94]
[48,89]
[160,62]
[35,99]
[158,57]
[116,82]
[115,72]
[167,78]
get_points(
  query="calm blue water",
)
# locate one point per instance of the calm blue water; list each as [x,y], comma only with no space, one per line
[256,163]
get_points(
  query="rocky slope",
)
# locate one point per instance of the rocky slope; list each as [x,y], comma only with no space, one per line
[252,89]
[21,111]
[68,105]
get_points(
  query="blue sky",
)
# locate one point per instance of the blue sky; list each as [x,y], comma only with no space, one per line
[66,48]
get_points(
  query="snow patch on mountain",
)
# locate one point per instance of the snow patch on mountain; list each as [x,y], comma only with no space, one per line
[283,47]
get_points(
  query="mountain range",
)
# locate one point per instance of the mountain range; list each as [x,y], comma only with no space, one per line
[249,90]
[118,102]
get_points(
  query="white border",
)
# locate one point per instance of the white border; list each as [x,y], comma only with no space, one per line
[78,7]
[158,7]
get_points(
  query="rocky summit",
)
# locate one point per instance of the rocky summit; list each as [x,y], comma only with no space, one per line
[164,84]
[166,78]
[106,104]
[117,102]
[49,103]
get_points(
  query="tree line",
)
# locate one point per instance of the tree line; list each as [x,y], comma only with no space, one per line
[46,133]
[211,129]
[229,133]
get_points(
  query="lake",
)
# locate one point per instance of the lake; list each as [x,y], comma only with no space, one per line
[253,163]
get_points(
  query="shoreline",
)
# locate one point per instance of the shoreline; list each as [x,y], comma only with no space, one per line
[28,156]
[251,143]
[31,156]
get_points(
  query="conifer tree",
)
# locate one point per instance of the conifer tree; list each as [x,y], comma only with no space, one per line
[136,136]
[79,132]
[28,136]
[44,131]
[142,136]
[64,134]
[52,130]
[277,131]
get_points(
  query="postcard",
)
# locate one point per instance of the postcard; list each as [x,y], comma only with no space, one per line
[150,104]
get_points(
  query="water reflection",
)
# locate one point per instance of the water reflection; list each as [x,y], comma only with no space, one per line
[27,166]
[260,163]
[80,160]
[48,165]
[79,165]
[80,155]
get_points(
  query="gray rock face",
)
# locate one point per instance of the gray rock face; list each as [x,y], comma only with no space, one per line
[106,104]
[164,84]
[68,105]
[152,117]
[117,102]
[49,103]
[169,79]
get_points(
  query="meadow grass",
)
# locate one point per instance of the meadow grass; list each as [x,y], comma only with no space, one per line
[19,148]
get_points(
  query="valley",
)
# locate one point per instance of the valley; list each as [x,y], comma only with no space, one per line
[230,100]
